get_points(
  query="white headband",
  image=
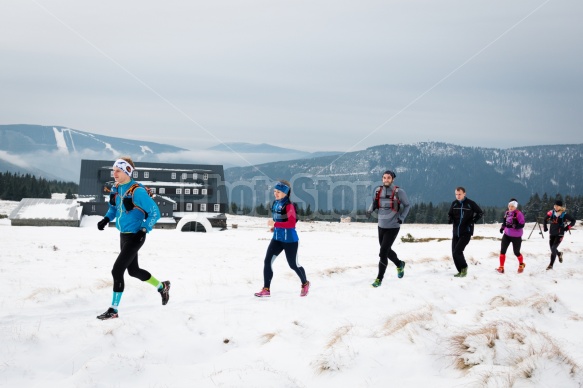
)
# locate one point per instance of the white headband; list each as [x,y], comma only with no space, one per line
[124,166]
[513,203]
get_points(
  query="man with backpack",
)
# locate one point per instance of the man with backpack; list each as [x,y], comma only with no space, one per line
[393,206]
[463,214]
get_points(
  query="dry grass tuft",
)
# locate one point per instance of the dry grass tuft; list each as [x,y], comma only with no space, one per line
[102,283]
[466,344]
[400,321]
[267,337]
[408,238]
[337,336]
[485,238]
[509,352]
[503,301]
[336,353]
[45,291]
[541,303]
[338,270]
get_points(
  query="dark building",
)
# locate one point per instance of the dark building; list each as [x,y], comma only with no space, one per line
[179,189]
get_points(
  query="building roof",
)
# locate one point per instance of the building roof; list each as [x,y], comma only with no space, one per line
[47,209]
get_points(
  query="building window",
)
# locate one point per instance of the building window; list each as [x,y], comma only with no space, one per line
[195,191]
[203,207]
[135,174]
[194,176]
[184,176]
[146,174]
[203,191]
[153,190]
[217,207]
[178,191]
[162,190]
[173,175]
[188,207]
[205,177]
[174,206]
[187,191]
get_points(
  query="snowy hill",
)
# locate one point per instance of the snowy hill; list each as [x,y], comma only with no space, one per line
[22,138]
[55,152]
[426,329]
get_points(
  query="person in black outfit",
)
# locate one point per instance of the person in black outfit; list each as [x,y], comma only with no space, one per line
[463,214]
[560,222]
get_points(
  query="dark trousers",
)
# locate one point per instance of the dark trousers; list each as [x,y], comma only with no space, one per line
[507,240]
[130,244]
[458,244]
[554,242]
[291,254]
[386,239]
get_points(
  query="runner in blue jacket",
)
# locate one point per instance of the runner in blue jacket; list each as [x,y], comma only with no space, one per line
[135,214]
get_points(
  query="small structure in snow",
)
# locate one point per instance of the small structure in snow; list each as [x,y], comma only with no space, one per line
[46,212]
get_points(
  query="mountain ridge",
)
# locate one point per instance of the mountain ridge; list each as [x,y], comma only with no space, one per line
[430,171]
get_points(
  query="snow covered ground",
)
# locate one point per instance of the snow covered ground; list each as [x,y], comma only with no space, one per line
[486,330]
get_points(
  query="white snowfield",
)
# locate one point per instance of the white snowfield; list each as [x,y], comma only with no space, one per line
[426,329]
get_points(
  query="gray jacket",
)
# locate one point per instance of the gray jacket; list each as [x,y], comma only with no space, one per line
[389,218]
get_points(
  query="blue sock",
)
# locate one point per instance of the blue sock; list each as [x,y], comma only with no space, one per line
[115,300]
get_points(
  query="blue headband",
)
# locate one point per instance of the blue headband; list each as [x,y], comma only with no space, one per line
[282,187]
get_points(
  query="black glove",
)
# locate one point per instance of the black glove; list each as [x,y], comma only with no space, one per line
[400,221]
[502,230]
[546,229]
[103,223]
[141,234]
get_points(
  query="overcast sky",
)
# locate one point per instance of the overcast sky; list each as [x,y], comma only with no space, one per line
[311,75]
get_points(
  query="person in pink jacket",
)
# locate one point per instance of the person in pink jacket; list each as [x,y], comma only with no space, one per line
[512,229]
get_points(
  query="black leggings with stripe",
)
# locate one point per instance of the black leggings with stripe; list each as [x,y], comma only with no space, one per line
[291,253]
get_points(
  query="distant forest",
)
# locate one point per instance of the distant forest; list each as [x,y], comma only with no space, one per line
[14,187]
[422,213]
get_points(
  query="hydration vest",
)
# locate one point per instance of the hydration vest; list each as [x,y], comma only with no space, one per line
[514,217]
[280,214]
[128,197]
[394,205]
[554,219]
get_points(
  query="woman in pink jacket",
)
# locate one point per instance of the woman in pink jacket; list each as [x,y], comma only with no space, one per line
[512,228]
